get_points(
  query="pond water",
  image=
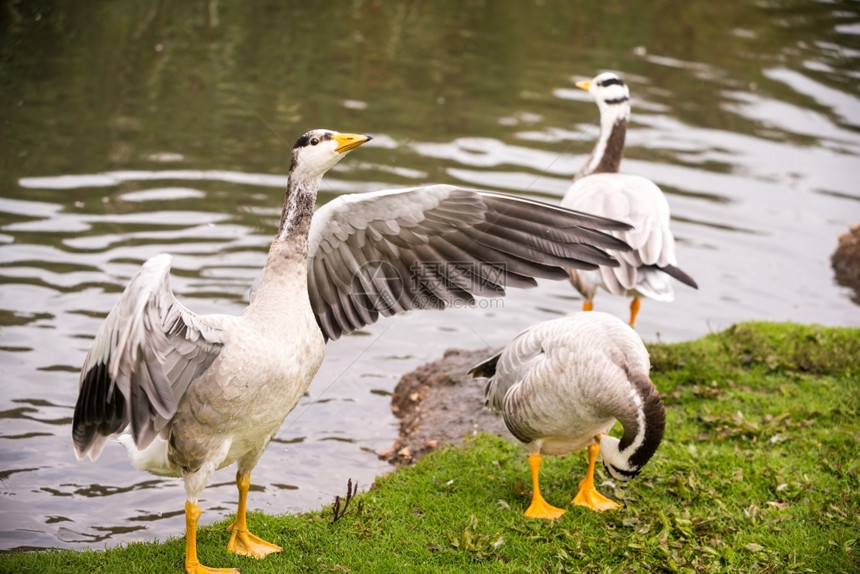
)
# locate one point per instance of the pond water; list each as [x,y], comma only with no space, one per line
[132,128]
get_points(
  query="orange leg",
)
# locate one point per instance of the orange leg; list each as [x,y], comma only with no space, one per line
[192,565]
[588,305]
[588,495]
[539,508]
[241,541]
[634,310]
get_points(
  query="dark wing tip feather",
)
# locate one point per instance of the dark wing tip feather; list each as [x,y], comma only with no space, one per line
[572,216]
[485,369]
[680,275]
[100,410]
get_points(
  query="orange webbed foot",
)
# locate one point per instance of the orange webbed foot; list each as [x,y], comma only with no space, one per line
[244,543]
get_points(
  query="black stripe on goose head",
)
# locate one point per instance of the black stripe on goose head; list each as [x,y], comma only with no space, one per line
[621,473]
[616,101]
[610,81]
[312,138]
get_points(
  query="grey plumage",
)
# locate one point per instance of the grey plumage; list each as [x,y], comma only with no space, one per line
[191,393]
[487,242]
[145,355]
[562,384]
[598,188]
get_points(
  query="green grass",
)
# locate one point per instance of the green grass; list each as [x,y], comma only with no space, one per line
[759,472]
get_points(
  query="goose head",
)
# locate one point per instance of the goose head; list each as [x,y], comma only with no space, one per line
[317,151]
[611,94]
[616,463]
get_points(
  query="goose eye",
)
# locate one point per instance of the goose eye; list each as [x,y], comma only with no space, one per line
[315,141]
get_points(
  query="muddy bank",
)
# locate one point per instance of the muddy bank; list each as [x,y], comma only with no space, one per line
[439,403]
[846,261]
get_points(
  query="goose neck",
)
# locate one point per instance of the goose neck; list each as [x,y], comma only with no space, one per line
[298,210]
[643,424]
[609,149]
[286,271]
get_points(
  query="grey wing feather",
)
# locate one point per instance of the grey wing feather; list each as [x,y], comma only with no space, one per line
[548,361]
[639,202]
[508,367]
[383,253]
[147,352]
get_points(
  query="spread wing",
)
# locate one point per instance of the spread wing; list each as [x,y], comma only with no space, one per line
[147,352]
[430,247]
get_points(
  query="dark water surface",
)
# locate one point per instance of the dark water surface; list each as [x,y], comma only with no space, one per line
[131,128]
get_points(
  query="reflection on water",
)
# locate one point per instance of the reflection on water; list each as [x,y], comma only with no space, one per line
[127,135]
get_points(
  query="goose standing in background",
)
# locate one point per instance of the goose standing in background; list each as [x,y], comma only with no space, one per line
[562,384]
[599,189]
[189,394]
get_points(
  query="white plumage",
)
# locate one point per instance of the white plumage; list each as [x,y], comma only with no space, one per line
[562,384]
[193,393]
[645,271]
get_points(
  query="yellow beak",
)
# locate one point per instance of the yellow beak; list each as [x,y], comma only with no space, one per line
[584,85]
[346,142]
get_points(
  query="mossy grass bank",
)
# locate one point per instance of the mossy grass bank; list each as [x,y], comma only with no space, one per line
[759,472]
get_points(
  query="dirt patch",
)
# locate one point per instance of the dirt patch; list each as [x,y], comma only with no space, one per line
[846,261]
[438,403]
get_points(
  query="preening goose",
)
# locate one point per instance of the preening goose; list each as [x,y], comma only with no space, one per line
[190,394]
[562,384]
[599,189]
